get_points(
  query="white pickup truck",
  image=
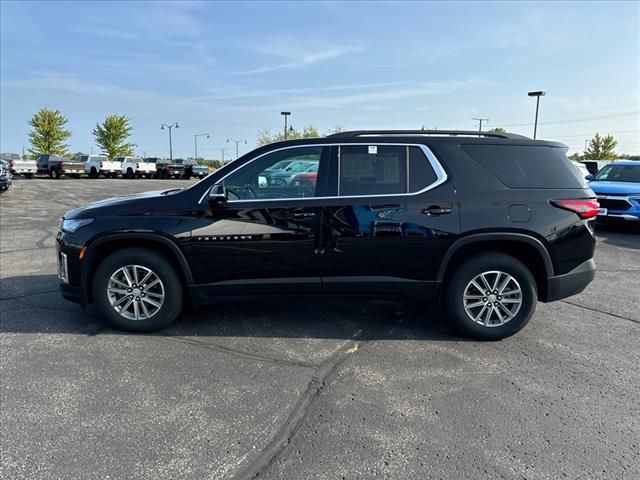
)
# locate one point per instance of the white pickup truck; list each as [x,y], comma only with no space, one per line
[135,167]
[19,166]
[96,165]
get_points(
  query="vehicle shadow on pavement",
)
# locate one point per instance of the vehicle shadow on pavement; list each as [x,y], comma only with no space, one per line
[32,304]
[619,235]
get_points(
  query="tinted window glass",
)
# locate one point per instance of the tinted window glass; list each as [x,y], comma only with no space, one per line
[295,178]
[421,173]
[619,173]
[526,166]
[372,170]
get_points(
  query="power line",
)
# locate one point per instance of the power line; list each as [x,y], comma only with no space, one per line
[602,117]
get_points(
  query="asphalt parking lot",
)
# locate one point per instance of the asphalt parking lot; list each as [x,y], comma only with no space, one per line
[308,388]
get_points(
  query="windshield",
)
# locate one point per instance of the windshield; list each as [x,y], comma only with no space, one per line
[619,173]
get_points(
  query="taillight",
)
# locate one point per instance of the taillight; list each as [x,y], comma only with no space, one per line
[12,164]
[585,208]
[61,165]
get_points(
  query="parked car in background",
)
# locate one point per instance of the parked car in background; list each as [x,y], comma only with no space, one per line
[617,186]
[97,165]
[56,166]
[19,166]
[5,176]
[305,178]
[135,167]
[582,170]
[486,223]
[283,176]
[594,165]
[166,168]
[199,171]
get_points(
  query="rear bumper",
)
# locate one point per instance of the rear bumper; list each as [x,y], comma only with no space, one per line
[571,283]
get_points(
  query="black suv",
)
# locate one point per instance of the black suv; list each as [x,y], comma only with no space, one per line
[486,223]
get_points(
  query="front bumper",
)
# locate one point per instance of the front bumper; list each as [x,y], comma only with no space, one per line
[571,283]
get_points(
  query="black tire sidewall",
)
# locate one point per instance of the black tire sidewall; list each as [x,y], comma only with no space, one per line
[470,269]
[173,289]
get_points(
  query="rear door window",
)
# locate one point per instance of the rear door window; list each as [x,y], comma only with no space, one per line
[383,170]
[523,166]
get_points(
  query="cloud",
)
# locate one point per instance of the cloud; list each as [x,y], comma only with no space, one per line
[294,54]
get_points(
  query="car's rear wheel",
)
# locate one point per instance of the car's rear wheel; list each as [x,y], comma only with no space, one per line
[491,296]
[93,173]
[138,290]
[54,173]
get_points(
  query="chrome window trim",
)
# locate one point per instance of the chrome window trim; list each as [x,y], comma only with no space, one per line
[441,175]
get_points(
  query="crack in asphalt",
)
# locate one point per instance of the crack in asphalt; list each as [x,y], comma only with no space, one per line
[28,295]
[283,436]
[601,311]
[26,250]
[238,353]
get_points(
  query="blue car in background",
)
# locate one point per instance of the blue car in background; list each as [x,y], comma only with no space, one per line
[617,186]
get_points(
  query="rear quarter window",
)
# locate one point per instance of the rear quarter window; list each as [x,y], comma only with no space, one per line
[523,166]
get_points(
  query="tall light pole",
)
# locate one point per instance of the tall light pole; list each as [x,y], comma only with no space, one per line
[222,152]
[237,142]
[480,120]
[537,94]
[164,125]
[285,115]
[195,141]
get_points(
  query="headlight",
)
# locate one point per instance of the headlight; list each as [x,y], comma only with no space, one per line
[71,226]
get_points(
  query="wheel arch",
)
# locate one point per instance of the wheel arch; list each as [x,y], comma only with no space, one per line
[102,247]
[529,250]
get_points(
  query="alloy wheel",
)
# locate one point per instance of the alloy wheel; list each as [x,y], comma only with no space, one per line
[135,292]
[492,298]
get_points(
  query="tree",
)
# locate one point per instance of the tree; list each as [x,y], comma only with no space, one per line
[112,134]
[601,148]
[48,134]
[498,130]
[265,137]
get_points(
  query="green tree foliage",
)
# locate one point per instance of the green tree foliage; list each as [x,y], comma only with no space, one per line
[601,148]
[498,130]
[111,136]
[48,134]
[265,137]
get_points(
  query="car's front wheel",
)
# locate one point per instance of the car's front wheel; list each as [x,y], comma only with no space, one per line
[138,290]
[491,296]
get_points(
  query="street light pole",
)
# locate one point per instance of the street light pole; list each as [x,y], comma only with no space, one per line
[237,142]
[195,141]
[285,115]
[480,120]
[537,94]
[170,127]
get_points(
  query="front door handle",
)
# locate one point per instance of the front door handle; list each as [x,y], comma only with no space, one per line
[434,211]
[302,215]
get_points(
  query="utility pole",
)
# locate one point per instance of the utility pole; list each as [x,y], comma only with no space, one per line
[586,142]
[164,125]
[285,115]
[480,120]
[537,94]
[195,141]
[237,142]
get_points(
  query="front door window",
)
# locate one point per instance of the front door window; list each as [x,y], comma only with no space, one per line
[290,173]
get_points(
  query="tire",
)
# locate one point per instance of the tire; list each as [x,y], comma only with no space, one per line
[54,173]
[145,260]
[490,263]
[93,173]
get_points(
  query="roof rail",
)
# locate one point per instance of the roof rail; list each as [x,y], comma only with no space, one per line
[461,133]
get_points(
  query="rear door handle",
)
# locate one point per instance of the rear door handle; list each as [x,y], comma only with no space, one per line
[435,211]
[302,215]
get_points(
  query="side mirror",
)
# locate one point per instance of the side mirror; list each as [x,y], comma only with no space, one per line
[589,177]
[217,194]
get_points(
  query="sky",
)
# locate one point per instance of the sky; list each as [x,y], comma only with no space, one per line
[229,69]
